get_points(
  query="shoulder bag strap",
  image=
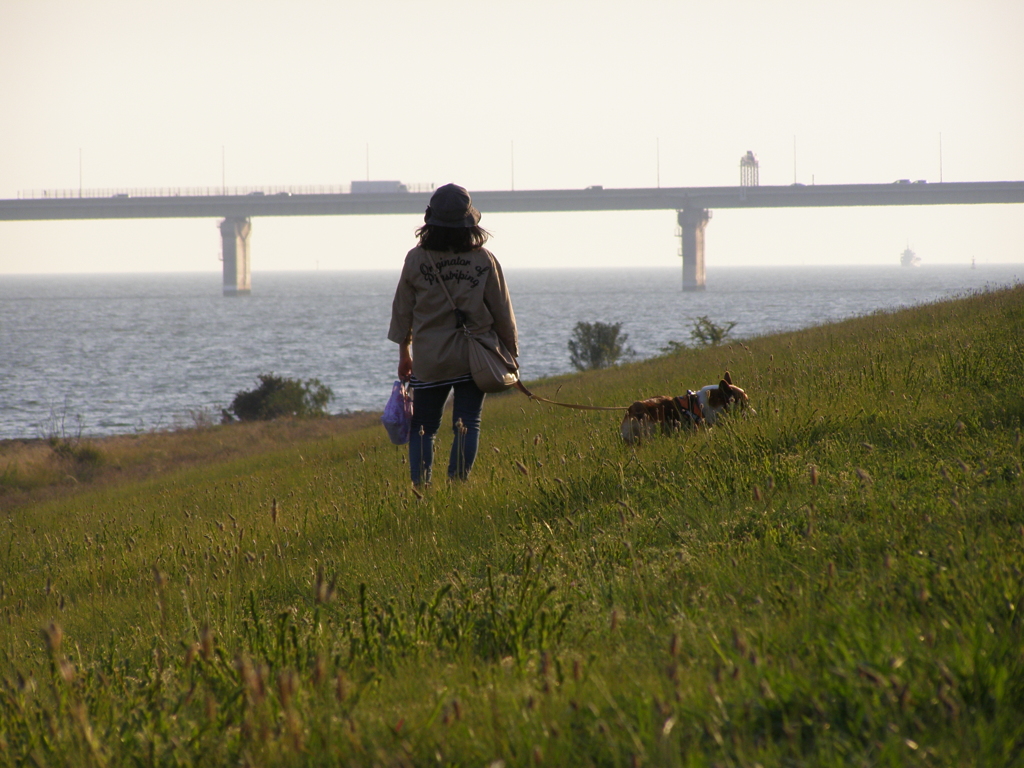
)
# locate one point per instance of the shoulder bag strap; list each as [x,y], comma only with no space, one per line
[458,312]
[443,287]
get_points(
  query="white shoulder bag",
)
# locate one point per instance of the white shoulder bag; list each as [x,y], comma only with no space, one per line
[493,367]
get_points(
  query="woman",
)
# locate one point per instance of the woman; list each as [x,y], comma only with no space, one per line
[433,350]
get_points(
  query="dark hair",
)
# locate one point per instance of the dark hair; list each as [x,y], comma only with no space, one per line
[452,239]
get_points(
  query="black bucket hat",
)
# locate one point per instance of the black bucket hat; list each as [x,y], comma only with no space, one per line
[451,206]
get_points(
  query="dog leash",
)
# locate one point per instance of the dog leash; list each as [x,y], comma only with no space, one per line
[519,385]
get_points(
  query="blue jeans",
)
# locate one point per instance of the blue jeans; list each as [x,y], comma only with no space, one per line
[427,407]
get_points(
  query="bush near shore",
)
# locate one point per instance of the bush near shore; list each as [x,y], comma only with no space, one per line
[836,581]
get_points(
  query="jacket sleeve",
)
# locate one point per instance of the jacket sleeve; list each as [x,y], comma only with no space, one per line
[499,303]
[400,331]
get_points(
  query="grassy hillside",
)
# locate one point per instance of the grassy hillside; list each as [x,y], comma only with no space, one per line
[835,581]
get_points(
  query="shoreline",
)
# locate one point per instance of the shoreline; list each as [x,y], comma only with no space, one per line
[38,469]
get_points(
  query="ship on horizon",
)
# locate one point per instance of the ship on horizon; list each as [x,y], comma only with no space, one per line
[909,259]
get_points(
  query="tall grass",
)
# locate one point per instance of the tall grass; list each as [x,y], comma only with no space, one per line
[834,581]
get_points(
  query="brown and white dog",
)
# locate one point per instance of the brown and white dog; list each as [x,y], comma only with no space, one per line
[725,396]
[694,409]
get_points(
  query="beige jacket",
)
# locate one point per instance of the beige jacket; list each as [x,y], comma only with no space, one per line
[421,309]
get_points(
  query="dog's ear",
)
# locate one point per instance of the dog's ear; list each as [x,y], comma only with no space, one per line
[728,378]
[725,390]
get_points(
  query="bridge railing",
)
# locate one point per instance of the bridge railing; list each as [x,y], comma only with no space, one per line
[309,189]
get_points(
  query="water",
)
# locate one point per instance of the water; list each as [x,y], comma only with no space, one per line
[109,354]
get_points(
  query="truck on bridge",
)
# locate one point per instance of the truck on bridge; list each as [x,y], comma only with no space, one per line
[377,187]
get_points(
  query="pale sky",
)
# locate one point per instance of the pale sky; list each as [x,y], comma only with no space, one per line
[136,94]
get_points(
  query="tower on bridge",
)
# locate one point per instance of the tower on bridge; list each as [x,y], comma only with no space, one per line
[749,170]
[234,237]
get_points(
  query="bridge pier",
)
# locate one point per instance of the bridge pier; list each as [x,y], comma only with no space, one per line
[234,235]
[692,222]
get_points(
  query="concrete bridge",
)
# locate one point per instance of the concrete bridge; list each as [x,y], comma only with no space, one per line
[692,204]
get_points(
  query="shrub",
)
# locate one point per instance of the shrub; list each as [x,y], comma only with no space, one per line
[79,460]
[277,396]
[706,333]
[195,418]
[597,345]
[673,347]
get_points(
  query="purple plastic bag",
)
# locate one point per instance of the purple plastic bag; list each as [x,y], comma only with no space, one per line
[398,414]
